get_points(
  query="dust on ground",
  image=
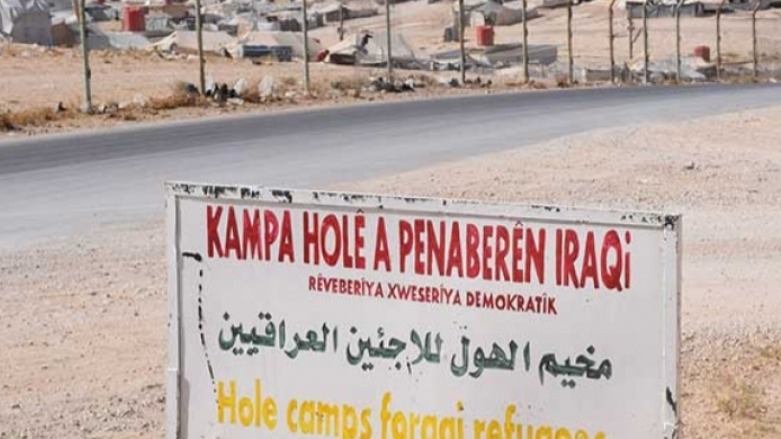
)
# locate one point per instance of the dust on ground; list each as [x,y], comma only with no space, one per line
[83,320]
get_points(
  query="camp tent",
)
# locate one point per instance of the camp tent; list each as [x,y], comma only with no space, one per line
[371,50]
[480,13]
[26,21]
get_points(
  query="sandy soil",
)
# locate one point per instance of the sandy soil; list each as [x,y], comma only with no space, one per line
[83,326]
[34,77]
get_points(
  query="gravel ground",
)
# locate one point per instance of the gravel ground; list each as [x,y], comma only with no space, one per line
[83,320]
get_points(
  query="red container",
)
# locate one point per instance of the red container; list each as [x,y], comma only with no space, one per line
[134,19]
[484,35]
[702,52]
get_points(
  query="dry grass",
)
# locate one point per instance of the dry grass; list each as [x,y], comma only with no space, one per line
[771,353]
[33,117]
[348,84]
[739,399]
[180,97]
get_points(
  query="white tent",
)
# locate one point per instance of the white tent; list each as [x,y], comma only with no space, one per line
[481,12]
[26,21]
[372,50]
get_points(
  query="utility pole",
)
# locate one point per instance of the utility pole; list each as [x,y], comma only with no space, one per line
[524,15]
[388,32]
[85,57]
[461,40]
[201,60]
[307,88]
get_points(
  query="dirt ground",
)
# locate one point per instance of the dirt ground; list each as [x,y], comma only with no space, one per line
[83,320]
[34,77]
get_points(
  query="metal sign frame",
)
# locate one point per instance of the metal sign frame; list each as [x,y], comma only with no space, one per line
[669,225]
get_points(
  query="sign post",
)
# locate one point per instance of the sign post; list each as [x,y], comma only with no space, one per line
[321,314]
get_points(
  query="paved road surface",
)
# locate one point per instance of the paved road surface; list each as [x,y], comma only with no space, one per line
[56,185]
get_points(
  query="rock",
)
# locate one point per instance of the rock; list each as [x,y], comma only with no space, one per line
[266,88]
[140,100]
[236,101]
[59,108]
[240,86]
[211,86]
[222,94]
[656,77]
[376,84]
[447,82]
[190,88]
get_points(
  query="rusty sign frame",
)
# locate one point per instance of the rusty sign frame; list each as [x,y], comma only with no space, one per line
[670,226]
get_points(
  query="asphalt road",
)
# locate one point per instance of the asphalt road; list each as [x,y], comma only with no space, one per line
[59,185]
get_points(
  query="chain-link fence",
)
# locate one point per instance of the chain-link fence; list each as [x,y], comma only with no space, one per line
[262,52]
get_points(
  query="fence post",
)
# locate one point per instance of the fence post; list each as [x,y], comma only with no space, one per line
[199,42]
[718,40]
[461,48]
[646,55]
[631,28]
[85,57]
[341,21]
[754,38]
[524,14]
[570,59]
[307,85]
[678,40]
[612,37]
[388,41]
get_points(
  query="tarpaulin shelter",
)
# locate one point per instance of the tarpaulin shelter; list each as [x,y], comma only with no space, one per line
[481,13]
[371,50]
[26,21]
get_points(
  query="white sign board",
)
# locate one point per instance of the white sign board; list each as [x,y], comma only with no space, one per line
[317,314]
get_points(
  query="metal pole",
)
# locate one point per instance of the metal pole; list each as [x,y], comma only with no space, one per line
[646,55]
[612,37]
[388,32]
[754,38]
[85,57]
[341,21]
[461,40]
[678,39]
[718,40]
[570,61]
[631,28]
[199,37]
[307,88]
[524,14]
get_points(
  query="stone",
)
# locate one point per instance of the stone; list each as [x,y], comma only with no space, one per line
[266,87]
